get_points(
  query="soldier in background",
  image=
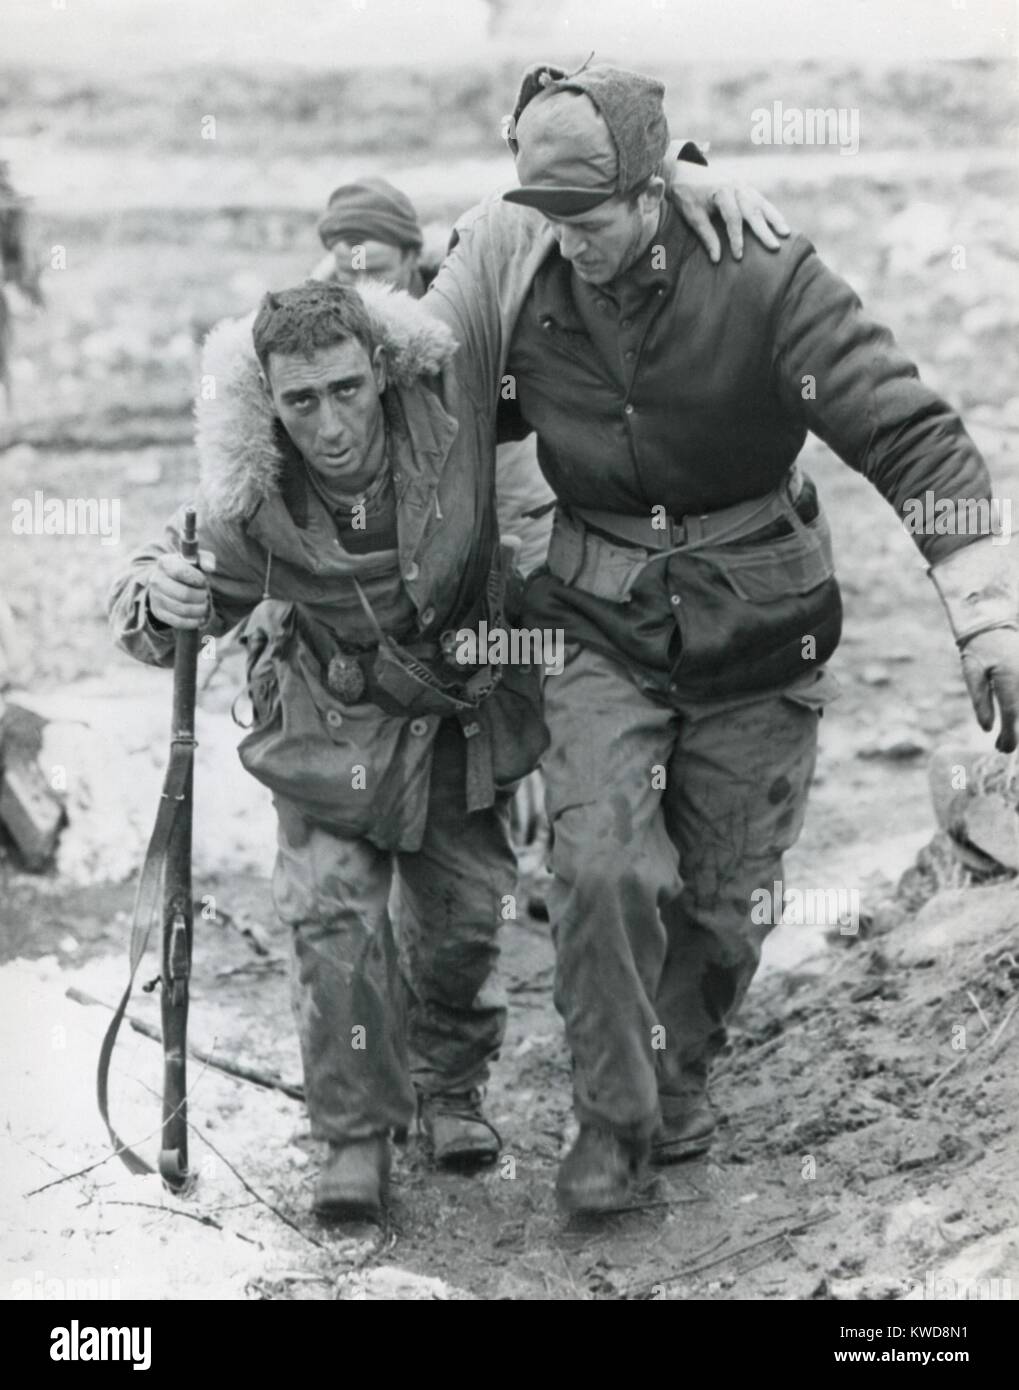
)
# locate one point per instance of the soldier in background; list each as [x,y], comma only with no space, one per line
[19,265]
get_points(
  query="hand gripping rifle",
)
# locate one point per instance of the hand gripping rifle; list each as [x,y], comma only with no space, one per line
[166,876]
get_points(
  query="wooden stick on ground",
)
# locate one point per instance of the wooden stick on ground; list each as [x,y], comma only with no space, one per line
[264,1079]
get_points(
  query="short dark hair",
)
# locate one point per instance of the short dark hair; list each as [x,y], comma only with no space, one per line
[314,315]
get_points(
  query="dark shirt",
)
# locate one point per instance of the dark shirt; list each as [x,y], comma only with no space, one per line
[633,403]
[369,524]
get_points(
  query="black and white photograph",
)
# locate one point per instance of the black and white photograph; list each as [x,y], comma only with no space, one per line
[509,663]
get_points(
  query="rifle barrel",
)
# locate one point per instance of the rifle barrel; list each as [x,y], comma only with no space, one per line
[178,922]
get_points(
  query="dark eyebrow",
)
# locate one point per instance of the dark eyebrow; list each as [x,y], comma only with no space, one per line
[295,395]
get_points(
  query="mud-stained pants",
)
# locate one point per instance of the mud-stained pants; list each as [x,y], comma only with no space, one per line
[376,1022]
[664,822]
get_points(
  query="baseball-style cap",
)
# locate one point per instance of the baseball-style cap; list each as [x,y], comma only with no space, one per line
[582,138]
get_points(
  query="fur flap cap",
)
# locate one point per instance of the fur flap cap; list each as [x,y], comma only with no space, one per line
[238,459]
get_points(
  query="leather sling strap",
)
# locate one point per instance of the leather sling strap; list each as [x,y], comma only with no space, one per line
[146,907]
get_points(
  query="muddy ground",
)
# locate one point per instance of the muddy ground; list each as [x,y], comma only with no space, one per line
[863,1155]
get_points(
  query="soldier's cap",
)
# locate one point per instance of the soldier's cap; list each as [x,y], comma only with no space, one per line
[370,209]
[582,138]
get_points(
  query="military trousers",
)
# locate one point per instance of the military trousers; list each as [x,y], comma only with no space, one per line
[387,1009]
[665,820]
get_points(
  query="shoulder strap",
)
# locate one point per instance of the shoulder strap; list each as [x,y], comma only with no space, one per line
[146,906]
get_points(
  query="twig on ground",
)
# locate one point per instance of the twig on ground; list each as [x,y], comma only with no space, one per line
[238,1070]
[976,1004]
[202,1220]
[280,1215]
[115,1153]
[964,1056]
[685,1271]
[992,1047]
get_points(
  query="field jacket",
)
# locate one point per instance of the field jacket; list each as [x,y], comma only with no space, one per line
[359,766]
[739,362]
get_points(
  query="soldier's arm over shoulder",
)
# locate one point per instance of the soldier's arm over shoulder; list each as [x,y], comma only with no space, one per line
[846,378]
[493,252]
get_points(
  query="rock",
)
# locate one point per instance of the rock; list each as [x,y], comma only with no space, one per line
[870,1288]
[30,812]
[896,745]
[976,801]
[953,920]
[875,674]
[993,826]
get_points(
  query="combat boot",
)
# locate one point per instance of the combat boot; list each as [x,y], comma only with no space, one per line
[685,1134]
[352,1184]
[601,1172]
[457,1131]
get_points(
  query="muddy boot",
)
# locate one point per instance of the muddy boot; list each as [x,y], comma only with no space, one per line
[601,1172]
[353,1181]
[457,1131]
[686,1133]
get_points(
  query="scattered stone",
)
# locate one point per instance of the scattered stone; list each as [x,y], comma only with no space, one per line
[897,745]
[950,922]
[872,1288]
[875,674]
[30,811]
[975,796]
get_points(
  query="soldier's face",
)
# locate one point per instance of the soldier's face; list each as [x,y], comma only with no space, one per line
[601,244]
[374,258]
[329,403]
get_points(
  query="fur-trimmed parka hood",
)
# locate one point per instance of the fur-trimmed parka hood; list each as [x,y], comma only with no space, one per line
[239,461]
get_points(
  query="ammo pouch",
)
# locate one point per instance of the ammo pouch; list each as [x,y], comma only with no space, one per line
[752,588]
[362,767]
[350,767]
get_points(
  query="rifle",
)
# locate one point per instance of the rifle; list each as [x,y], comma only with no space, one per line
[166,877]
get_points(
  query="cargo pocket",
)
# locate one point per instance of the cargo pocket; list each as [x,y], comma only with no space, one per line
[589,562]
[772,569]
[350,768]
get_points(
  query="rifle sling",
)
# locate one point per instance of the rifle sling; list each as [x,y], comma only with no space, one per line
[146,905]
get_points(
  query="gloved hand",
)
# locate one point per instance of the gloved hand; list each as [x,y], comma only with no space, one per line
[980,591]
[990,666]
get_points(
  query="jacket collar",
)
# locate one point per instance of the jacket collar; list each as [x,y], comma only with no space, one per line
[242,458]
[556,287]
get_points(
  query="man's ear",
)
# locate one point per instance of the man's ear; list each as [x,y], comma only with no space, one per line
[652,195]
[379,369]
[263,381]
